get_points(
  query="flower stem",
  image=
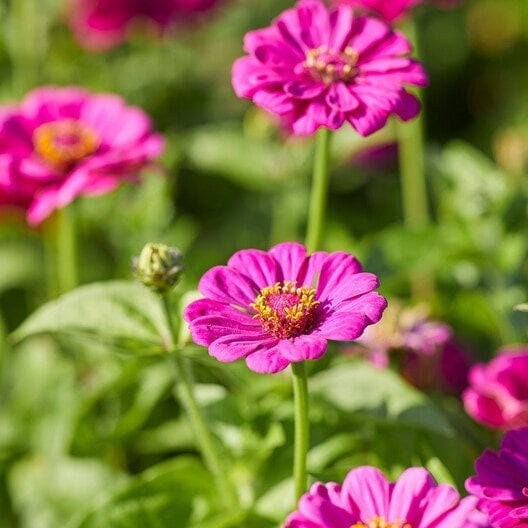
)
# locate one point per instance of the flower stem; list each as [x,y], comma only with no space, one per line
[318,198]
[302,427]
[66,249]
[195,415]
[412,179]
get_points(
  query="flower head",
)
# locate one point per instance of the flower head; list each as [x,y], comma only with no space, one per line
[429,356]
[366,499]
[60,143]
[497,395]
[391,10]
[501,482]
[101,24]
[316,67]
[282,306]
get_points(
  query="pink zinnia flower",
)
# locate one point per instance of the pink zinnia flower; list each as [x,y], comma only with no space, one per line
[316,67]
[60,143]
[282,306]
[501,482]
[366,499]
[391,10]
[498,391]
[101,24]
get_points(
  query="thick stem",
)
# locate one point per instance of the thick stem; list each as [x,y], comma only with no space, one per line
[413,181]
[302,427]
[319,194]
[195,415]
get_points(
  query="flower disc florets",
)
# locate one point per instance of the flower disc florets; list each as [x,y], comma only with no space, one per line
[286,311]
[62,143]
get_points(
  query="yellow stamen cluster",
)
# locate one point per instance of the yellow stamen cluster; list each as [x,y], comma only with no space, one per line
[286,310]
[380,522]
[329,66]
[62,143]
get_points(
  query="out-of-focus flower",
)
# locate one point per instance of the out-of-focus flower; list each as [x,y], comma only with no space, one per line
[282,306]
[501,481]
[60,143]
[366,499]
[376,157]
[428,355]
[101,24]
[159,267]
[391,10]
[316,67]
[498,392]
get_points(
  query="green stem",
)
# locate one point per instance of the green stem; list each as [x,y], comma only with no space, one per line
[412,179]
[302,427]
[201,431]
[318,198]
[66,249]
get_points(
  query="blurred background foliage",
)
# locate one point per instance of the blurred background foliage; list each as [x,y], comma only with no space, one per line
[90,432]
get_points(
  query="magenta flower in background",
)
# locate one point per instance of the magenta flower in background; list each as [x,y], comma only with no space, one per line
[101,24]
[366,499]
[282,306]
[316,67]
[498,391]
[391,10]
[501,481]
[429,356]
[60,143]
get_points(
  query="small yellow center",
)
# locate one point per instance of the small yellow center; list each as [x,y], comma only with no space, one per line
[63,143]
[380,522]
[286,310]
[328,65]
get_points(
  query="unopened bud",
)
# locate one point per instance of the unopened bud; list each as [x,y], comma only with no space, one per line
[159,267]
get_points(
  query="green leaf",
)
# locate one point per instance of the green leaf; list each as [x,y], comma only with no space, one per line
[161,497]
[124,314]
[379,396]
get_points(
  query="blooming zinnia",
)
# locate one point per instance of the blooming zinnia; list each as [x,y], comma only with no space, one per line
[60,143]
[391,10]
[316,67]
[101,24]
[501,482]
[282,306]
[497,395]
[366,499]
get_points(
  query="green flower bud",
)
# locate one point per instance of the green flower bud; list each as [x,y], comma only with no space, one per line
[158,266]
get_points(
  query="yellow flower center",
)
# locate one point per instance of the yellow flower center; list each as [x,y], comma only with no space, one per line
[63,143]
[380,522]
[328,65]
[286,310]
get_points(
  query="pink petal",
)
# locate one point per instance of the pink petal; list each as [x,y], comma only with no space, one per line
[349,287]
[303,347]
[439,499]
[258,265]
[304,89]
[267,361]
[291,258]
[341,27]
[334,269]
[232,347]
[408,494]
[366,489]
[229,286]
[341,98]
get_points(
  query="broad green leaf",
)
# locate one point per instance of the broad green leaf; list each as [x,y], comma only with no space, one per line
[379,396]
[122,313]
[161,497]
[47,492]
